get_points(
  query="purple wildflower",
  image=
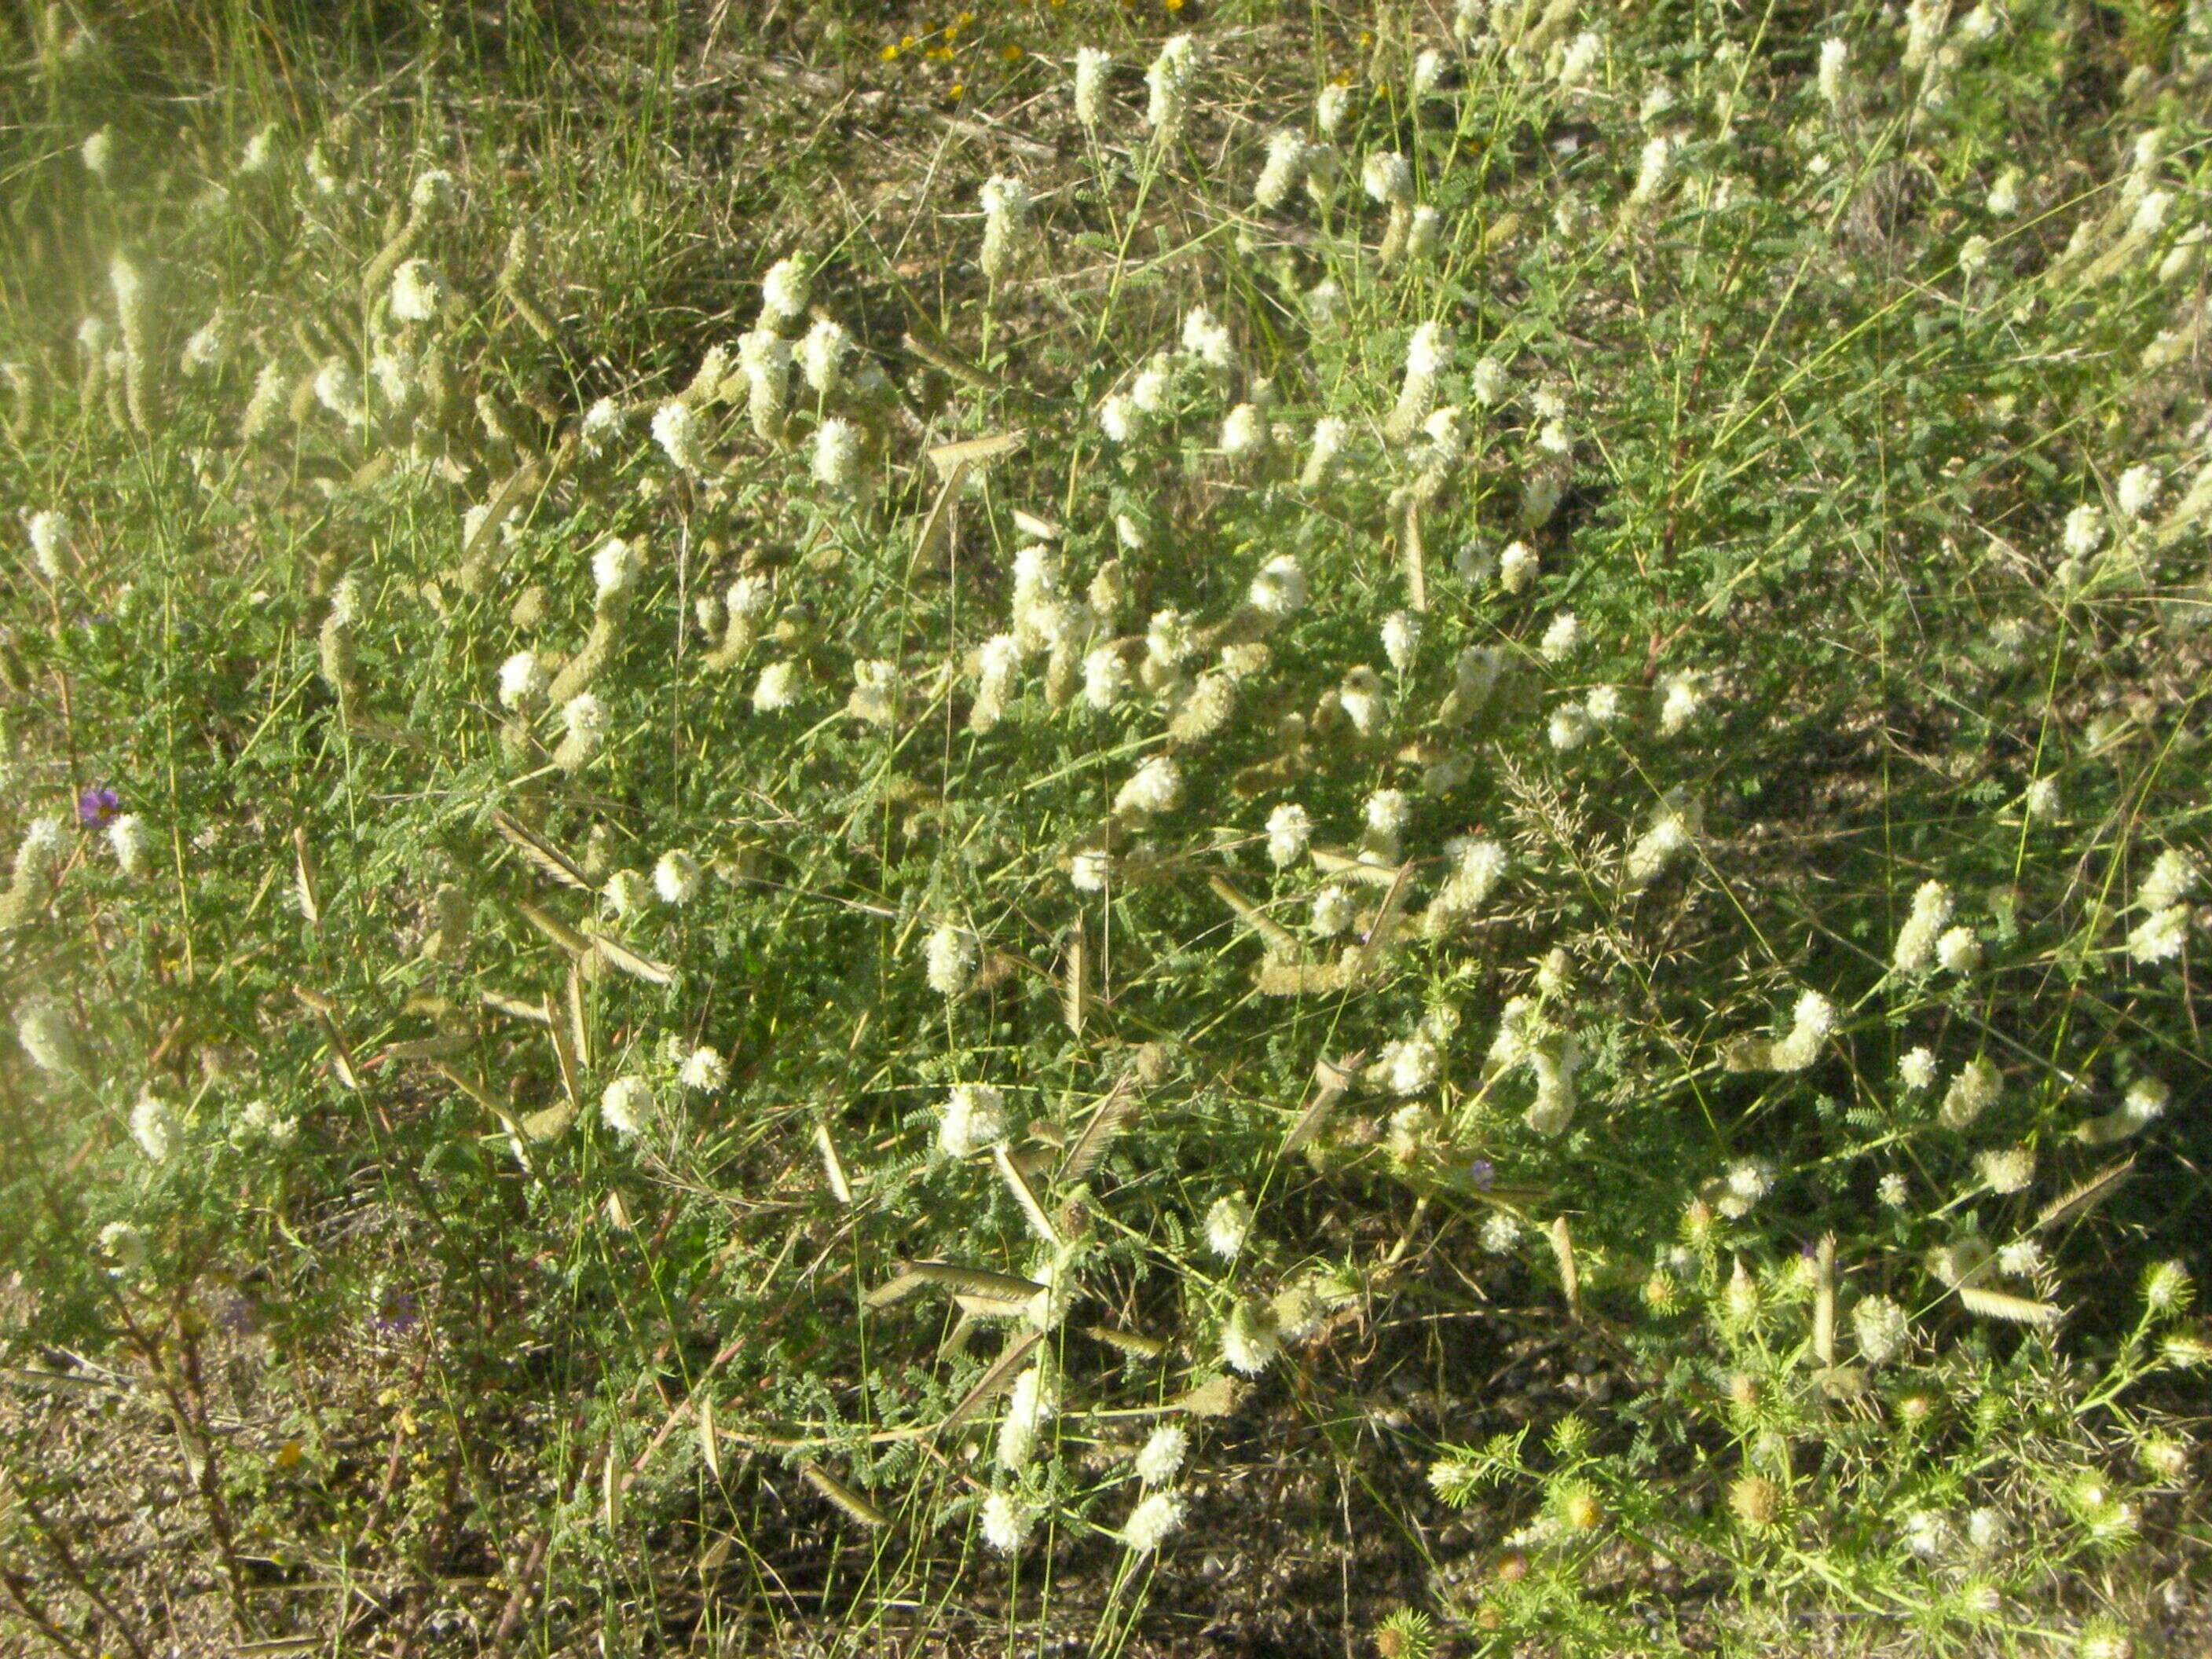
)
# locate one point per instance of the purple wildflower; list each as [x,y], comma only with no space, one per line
[1482,1174]
[94,807]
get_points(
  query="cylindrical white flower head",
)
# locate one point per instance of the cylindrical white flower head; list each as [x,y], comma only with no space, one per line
[676,429]
[1959,951]
[677,877]
[154,1126]
[1243,433]
[1007,1521]
[1916,1069]
[1562,639]
[627,893]
[1279,589]
[1089,870]
[1105,678]
[2084,532]
[784,291]
[1251,1340]
[522,679]
[1423,234]
[2136,491]
[602,426]
[1091,68]
[1881,1328]
[777,687]
[1161,1457]
[950,959]
[1409,1066]
[1569,727]
[1156,1517]
[1156,787]
[974,1117]
[1333,911]
[1287,155]
[1833,78]
[1228,1223]
[1168,85]
[1328,436]
[98,155]
[2173,878]
[1580,58]
[1290,831]
[1916,941]
[432,188]
[1331,105]
[1205,337]
[44,1032]
[1117,417]
[626,1106]
[1401,639]
[822,355]
[2007,1169]
[837,454]
[50,544]
[1388,177]
[2004,194]
[123,1245]
[704,1069]
[418,293]
[337,389]
[1971,1092]
[1428,77]
[615,569]
[1006,217]
[127,837]
[1653,169]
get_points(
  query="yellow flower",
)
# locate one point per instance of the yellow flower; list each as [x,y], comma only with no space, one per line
[955,89]
[1013,54]
[1172,5]
[965,19]
[890,54]
[906,43]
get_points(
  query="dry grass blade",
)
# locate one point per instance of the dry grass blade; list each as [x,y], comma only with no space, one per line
[1135,1342]
[975,451]
[2091,1193]
[513,1007]
[548,858]
[1330,862]
[2018,1309]
[1823,1301]
[556,930]
[446,1047]
[976,1281]
[564,1056]
[1305,979]
[710,1447]
[1414,560]
[342,1064]
[1026,1196]
[553,1121]
[833,1167]
[1384,933]
[1112,1116]
[893,1290]
[1281,941]
[1217,1398]
[619,955]
[1563,1251]
[989,1307]
[580,1025]
[997,1377]
[936,528]
[303,870]
[1332,1080]
[1074,991]
[843,1496]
